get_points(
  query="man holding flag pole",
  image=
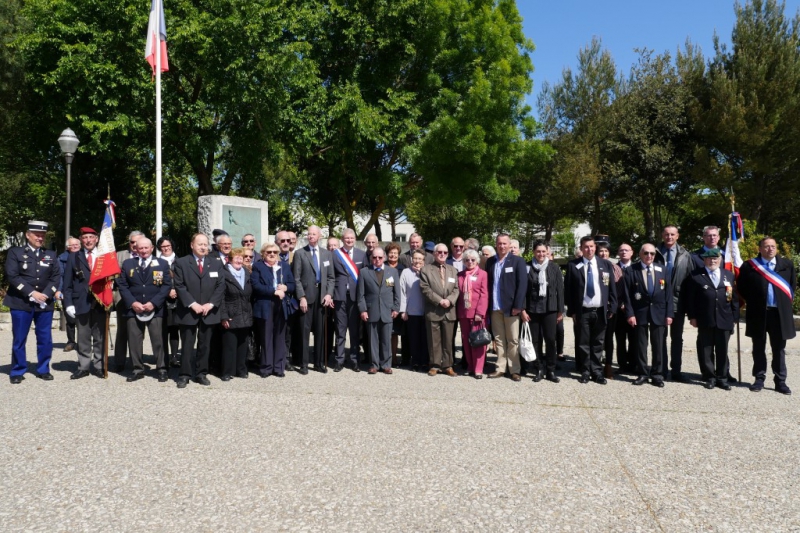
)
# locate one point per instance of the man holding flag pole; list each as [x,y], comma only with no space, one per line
[733,262]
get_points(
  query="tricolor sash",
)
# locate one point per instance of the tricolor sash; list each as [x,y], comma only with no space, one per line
[772,277]
[351,267]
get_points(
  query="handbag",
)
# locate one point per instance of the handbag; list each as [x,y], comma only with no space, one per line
[480,337]
[526,349]
[290,306]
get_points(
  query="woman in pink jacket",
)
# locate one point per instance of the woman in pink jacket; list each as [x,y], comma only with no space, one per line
[473,301]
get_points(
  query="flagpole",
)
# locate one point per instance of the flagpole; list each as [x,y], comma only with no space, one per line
[159,7]
[738,338]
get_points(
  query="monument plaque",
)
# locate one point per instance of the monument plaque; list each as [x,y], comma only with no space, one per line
[237,216]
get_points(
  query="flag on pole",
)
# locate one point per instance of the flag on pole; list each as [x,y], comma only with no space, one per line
[733,259]
[156,40]
[106,267]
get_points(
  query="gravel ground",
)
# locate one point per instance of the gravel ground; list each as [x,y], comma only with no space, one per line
[406,452]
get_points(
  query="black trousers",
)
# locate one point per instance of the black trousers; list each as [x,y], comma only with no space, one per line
[590,333]
[656,334]
[347,320]
[713,344]
[194,361]
[417,336]
[560,338]
[234,351]
[778,345]
[170,339]
[626,342]
[543,331]
[676,344]
[608,343]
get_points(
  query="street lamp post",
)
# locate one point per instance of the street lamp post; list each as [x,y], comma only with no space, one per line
[68,142]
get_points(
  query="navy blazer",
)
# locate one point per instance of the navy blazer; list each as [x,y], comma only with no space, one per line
[655,309]
[77,292]
[262,279]
[25,274]
[236,305]
[513,283]
[709,305]
[575,283]
[151,284]
[342,278]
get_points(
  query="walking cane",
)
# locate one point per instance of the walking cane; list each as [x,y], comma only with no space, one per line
[325,336]
[739,351]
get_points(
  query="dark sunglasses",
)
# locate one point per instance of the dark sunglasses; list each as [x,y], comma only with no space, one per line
[648,253]
[248,240]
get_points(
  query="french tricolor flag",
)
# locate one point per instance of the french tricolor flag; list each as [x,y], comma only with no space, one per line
[106,267]
[156,40]
[733,259]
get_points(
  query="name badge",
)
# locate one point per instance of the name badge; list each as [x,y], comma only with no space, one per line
[579,266]
[214,274]
[451,280]
[727,283]
[657,268]
[474,278]
[153,263]
[326,263]
[356,262]
[43,264]
[390,279]
[509,270]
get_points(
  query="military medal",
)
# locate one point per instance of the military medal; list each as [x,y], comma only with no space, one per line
[662,284]
[605,279]
[705,287]
[24,266]
[637,296]
[158,277]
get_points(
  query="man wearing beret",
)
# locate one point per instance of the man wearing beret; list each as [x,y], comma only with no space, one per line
[33,275]
[714,310]
[81,304]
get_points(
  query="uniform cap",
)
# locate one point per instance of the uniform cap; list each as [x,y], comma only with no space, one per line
[37,225]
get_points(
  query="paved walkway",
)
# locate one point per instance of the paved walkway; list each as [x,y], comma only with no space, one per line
[407,452]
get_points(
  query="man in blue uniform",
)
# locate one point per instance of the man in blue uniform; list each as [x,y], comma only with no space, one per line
[33,275]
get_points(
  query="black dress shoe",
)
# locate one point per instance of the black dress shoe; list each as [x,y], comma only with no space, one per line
[47,376]
[202,380]
[226,377]
[321,369]
[538,377]
[757,385]
[279,375]
[584,378]
[290,368]
[658,383]
[174,363]
[79,374]
[163,377]
[641,380]
[709,384]
[135,377]
[16,380]
[722,385]
[600,380]
[552,377]
[337,368]
[356,368]
[182,382]
[732,379]
[243,375]
[783,388]
[301,371]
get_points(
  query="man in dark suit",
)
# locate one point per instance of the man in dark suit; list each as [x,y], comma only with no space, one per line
[200,285]
[378,296]
[121,339]
[649,309]
[508,284]
[624,334]
[144,285]
[591,297]
[347,264]
[33,276]
[714,310]
[80,302]
[314,283]
[767,284]
[679,264]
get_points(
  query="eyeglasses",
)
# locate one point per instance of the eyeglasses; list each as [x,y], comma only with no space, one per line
[470,260]
[248,240]
[285,240]
[133,242]
[441,252]
[378,257]
[270,252]
[648,253]
[458,246]
[164,246]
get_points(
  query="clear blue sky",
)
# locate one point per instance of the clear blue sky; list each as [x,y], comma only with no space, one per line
[561,28]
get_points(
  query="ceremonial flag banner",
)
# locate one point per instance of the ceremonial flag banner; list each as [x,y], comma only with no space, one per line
[156,40]
[733,259]
[106,267]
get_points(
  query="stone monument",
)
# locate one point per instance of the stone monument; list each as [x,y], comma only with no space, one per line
[237,216]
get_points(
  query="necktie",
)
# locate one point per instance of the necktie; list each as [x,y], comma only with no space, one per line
[142,264]
[441,274]
[651,282]
[200,265]
[669,262]
[314,261]
[715,278]
[770,292]
[90,260]
[589,281]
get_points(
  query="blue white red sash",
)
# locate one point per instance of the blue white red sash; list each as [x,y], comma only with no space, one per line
[772,277]
[351,267]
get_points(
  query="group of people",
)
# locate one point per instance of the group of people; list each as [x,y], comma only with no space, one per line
[234,312]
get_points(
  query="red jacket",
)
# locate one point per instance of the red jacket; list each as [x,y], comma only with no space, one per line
[479,298]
